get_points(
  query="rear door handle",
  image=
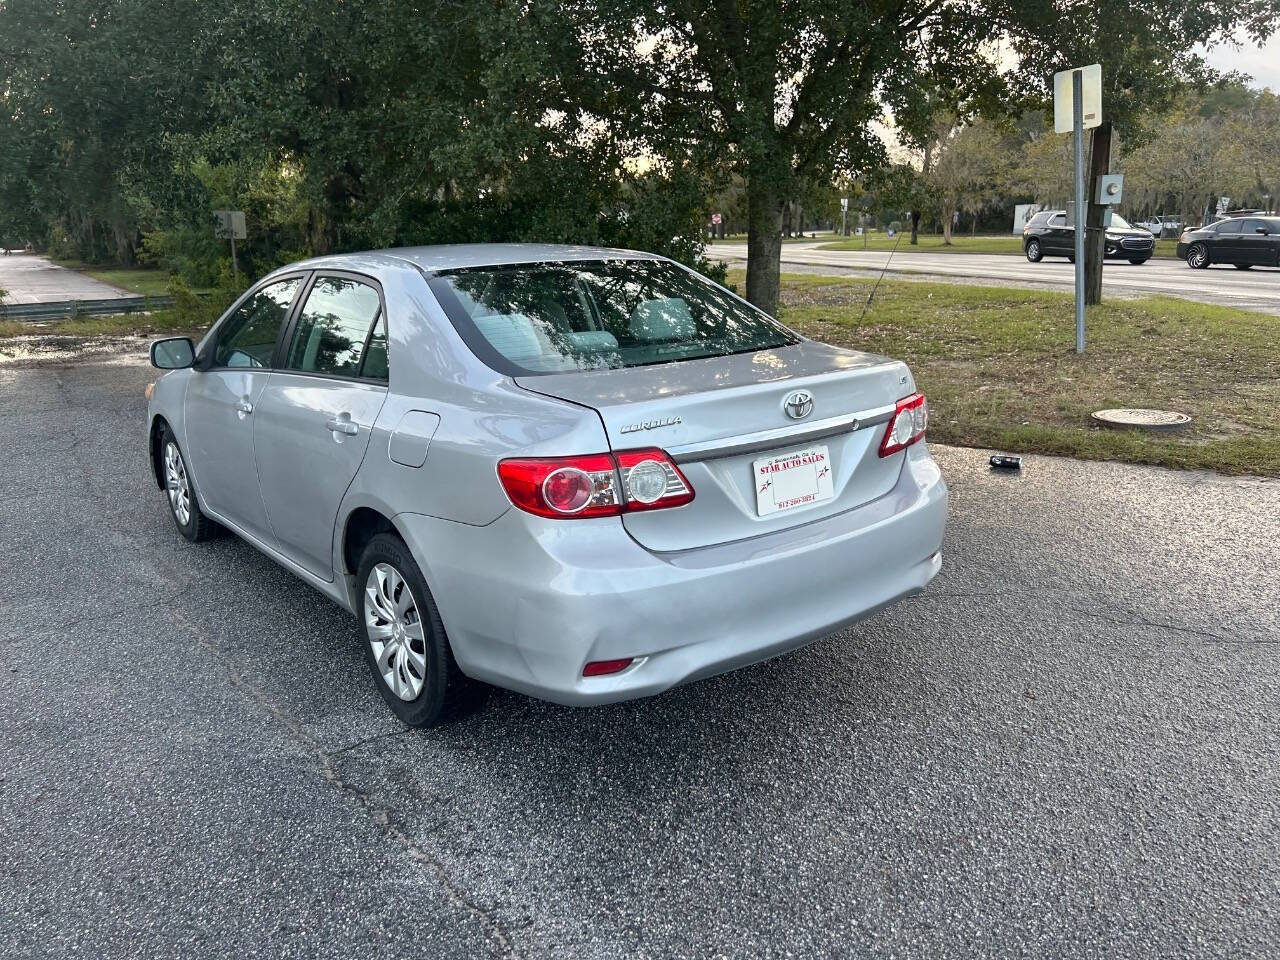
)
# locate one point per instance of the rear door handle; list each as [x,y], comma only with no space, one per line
[342,425]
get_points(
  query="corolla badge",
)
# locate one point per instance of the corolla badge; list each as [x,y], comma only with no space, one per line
[798,404]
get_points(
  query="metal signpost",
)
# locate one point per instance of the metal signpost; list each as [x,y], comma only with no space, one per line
[229,225]
[1077,104]
[844,216]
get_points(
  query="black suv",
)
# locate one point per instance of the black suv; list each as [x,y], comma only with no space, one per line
[1242,241]
[1047,235]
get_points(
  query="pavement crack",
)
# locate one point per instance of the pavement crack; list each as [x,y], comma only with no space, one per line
[368,740]
[378,814]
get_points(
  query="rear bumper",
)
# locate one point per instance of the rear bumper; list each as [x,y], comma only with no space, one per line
[1181,250]
[527,602]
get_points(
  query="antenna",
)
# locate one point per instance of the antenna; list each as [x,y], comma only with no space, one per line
[876,286]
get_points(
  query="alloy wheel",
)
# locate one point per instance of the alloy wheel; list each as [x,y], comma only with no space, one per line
[393,624]
[1198,256]
[175,479]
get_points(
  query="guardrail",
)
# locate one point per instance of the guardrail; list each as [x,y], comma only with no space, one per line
[82,308]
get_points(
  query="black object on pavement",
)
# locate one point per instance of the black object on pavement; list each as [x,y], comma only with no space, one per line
[1002,462]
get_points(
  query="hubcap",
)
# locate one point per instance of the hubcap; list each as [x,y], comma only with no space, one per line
[1197,256]
[175,474]
[394,627]
[1033,249]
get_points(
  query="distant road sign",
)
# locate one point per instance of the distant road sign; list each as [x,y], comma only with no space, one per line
[229,225]
[844,204]
[715,218]
[1090,98]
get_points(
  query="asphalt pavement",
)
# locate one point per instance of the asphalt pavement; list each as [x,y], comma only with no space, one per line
[1254,289]
[1069,746]
[28,278]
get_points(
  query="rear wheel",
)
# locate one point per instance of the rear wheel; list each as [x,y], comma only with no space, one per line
[1198,256]
[183,506]
[1033,251]
[405,643]
[1243,266]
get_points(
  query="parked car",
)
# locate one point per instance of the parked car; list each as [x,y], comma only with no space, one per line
[1243,242]
[584,474]
[1048,235]
[1161,226]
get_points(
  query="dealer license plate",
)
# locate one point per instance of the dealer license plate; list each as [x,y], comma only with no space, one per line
[793,479]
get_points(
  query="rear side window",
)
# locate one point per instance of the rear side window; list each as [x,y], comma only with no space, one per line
[248,337]
[334,328]
[558,317]
[1228,226]
[1059,220]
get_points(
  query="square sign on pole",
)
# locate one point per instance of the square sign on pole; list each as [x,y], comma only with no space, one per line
[229,225]
[1077,104]
[1090,98]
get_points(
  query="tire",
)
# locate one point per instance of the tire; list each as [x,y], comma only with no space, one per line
[421,683]
[184,506]
[1137,260]
[1243,266]
[1033,251]
[1198,256]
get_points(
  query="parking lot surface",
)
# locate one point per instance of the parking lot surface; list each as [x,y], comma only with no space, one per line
[1069,746]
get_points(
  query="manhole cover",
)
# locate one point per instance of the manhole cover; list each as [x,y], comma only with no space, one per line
[1130,419]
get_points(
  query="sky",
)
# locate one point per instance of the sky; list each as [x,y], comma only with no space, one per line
[1263,63]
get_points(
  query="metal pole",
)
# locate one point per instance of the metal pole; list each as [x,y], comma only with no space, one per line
[844,221]
[1077,111]
[235,268]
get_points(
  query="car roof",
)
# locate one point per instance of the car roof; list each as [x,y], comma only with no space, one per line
[465,255]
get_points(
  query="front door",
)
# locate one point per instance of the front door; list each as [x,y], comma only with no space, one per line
[222,400]
[1254,248]
[314,420]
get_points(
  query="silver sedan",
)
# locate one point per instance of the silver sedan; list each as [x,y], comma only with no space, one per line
[584,474]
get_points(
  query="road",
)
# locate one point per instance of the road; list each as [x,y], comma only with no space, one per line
[1255,289]
[27,278]
[1069,746]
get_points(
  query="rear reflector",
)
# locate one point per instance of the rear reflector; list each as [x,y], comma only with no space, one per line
[597,485]
[602,668]
[908,425]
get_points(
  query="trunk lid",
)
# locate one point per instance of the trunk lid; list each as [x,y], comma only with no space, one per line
[717,417]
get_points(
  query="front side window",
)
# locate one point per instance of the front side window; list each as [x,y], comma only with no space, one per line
[560,317]
[248,337]
[334,326]
[1252,226]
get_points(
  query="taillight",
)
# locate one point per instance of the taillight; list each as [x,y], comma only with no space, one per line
[908,424]
[597,485]
[603,668]
[650,481]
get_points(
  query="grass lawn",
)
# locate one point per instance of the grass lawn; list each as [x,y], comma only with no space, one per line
[959,244]
[159,323]
[1000,369]
[141,281]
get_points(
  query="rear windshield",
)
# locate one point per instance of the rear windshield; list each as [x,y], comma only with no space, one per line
[558,317]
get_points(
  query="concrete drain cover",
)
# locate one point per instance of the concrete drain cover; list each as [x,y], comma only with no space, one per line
[1129,419]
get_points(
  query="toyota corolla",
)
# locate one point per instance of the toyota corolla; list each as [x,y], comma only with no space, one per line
[584,474]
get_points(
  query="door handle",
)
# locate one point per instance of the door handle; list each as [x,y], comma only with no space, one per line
[342,425]
[243,408]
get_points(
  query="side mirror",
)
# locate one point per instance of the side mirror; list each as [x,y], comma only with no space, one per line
[1262,230]
[173,353]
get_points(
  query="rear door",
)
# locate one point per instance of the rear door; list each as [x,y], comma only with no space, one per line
[313,422]
[1225,245]
[222,400]
[1059,237]
[722,418]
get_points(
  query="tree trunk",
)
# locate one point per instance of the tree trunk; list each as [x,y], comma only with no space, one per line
[947,216]
[764,245]
[915,227]
[1095,238]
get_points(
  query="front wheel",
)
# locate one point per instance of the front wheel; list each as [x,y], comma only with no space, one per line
[1137,260]
[1198,256]
[183,506]
[1033,251]
[1243,266]
[405,643]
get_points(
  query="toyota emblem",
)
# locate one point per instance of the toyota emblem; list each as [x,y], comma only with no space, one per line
[798,404]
